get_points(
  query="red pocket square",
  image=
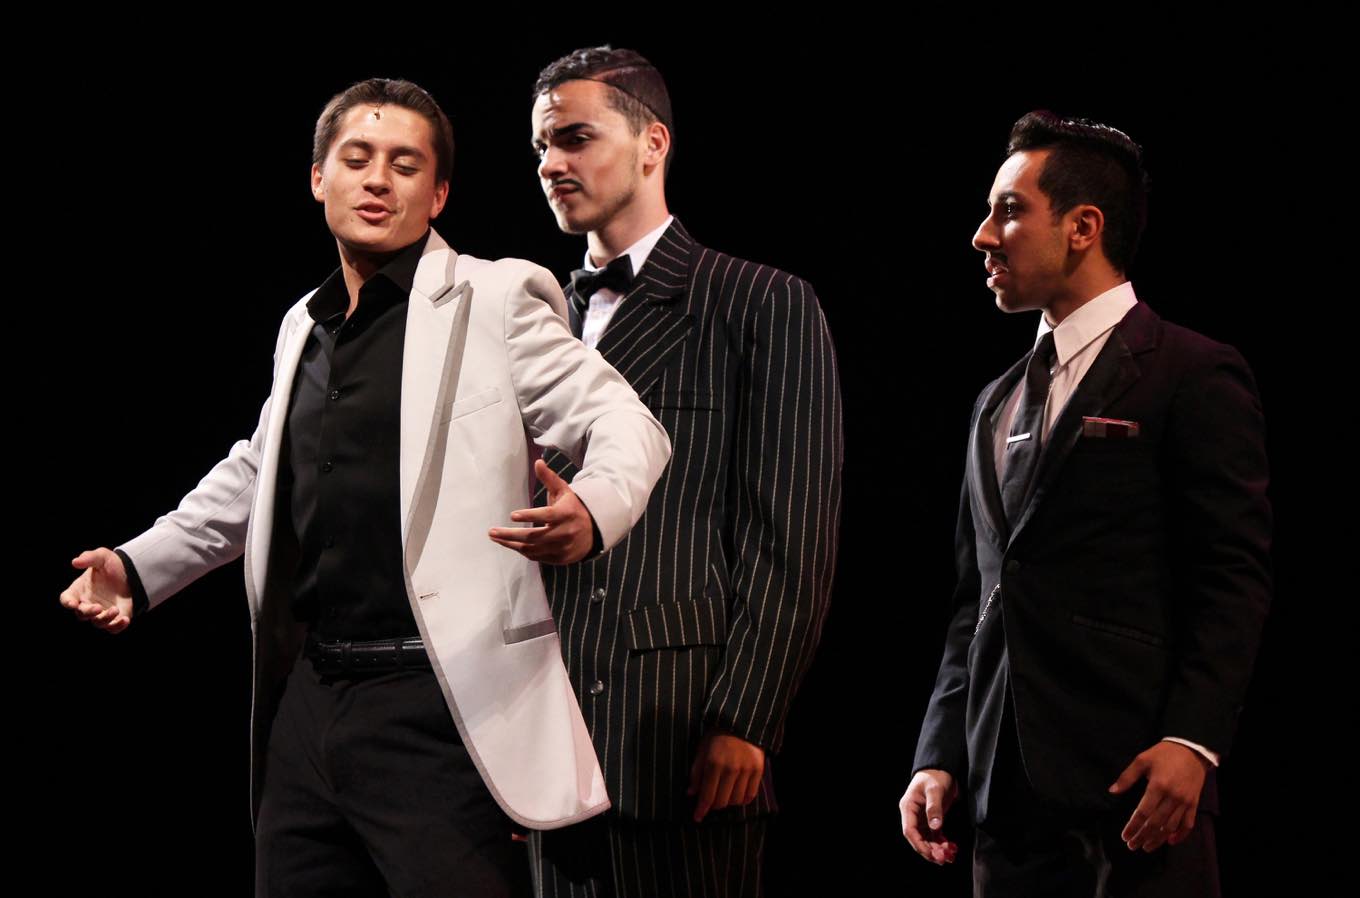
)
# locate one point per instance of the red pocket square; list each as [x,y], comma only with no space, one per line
[1108,428]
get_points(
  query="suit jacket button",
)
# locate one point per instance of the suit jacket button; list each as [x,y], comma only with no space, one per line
[1013,565]
[598,595]
[597,687]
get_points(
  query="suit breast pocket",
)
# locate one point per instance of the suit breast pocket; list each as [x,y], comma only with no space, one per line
[687,415]
[461,408]
[682,400]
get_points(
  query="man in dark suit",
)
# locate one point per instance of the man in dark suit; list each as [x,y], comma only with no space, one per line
[687,644]
[1112,553]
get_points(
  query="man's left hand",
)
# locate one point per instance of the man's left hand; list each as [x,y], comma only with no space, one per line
[726,773]
[1166,814]
[563,533]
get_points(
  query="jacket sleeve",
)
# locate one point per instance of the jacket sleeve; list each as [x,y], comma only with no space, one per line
[571,399]
[208,529]
[1220,520]
[785,510]
[943,741]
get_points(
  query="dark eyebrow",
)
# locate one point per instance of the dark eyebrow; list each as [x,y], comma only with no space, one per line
[357,144]
[1004,196]
[563,131]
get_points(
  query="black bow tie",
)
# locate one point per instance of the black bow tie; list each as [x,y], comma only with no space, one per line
[617,276]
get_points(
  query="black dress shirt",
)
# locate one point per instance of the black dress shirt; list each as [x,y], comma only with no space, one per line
[340,461]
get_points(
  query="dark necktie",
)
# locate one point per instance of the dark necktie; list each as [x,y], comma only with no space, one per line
[1022,449]
[617,276]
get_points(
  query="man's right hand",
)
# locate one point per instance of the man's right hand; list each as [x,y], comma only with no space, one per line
[101,595]
[923,807]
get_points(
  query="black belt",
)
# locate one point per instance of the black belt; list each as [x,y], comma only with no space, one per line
[331,659]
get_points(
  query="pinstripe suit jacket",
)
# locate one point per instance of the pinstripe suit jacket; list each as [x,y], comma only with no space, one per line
[708,613]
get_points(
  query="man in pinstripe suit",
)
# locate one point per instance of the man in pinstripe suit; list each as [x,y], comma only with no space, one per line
[687,643]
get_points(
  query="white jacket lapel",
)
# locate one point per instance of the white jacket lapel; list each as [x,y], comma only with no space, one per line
[266,480]
[436,331]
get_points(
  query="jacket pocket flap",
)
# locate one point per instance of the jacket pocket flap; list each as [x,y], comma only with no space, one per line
[697,621]
[529,631]
[1115,629]
[469,404]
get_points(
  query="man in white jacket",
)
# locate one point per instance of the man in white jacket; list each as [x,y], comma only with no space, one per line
[411,391]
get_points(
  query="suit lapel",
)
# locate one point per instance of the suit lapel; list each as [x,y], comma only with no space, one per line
[652,319]
[573,314]
[259,534]
[436,332]
[1113,372]
[982,465]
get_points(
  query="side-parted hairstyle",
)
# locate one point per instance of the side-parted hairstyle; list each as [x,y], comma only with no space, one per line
[639,93]
[1090,163]
[386,92]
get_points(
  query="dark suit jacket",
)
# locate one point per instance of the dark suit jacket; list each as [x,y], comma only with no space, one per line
[708,614]
[1127,603]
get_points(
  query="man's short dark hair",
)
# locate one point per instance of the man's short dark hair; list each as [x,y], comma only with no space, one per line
[1090,163]
[386,92]
[639,92]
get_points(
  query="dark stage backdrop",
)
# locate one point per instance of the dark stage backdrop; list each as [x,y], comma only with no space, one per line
[172,225]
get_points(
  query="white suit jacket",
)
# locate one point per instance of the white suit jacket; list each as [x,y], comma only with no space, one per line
[489,370]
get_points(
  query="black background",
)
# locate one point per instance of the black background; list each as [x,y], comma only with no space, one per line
[167,225]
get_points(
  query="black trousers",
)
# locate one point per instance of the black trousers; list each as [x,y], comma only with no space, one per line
[1087,858]
[369,791]
[1029,849]
[606,857]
